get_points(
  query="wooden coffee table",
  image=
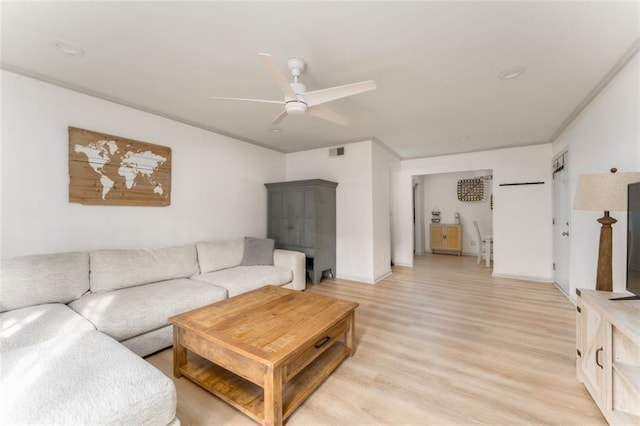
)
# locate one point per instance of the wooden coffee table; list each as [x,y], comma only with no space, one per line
[265,351]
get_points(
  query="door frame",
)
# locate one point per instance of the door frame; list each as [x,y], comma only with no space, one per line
[561,270]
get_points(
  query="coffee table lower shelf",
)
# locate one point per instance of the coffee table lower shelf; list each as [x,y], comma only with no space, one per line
[249,397]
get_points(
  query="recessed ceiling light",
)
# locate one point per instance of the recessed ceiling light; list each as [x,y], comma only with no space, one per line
[511,73]
[68,48]
[275,129]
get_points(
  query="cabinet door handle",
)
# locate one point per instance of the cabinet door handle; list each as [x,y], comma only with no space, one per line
[597,359]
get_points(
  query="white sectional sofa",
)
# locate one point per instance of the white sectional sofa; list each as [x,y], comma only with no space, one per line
[73,326]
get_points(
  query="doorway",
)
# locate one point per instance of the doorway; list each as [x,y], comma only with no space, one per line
[418,226]
[561,220]
[441,191]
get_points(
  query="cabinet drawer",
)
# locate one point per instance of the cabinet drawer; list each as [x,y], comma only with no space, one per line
[306,355]
[609,349]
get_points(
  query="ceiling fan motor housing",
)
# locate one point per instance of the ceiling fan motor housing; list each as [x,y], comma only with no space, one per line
[298,89]
[296,106]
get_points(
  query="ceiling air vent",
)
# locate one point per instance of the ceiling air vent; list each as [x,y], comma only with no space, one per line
[336,152]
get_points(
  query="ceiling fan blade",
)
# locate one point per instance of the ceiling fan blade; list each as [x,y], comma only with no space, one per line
[327,114]
[318,97]
[279,118]
[281,79]
[264,101]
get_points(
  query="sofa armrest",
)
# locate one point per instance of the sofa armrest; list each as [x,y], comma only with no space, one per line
[295,261]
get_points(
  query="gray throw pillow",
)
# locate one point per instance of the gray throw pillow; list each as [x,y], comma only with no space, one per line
[258,251]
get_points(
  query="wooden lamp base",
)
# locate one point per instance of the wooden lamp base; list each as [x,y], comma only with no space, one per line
[604,279]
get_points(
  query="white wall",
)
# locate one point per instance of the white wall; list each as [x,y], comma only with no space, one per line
[521,215]
[217,182]
[362,239]
[441,190]
[606,134]
[383,160]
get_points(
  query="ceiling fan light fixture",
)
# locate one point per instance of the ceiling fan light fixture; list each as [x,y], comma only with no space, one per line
[511,73]
[295,107]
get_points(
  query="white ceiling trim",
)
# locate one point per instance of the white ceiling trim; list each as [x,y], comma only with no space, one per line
[624,60]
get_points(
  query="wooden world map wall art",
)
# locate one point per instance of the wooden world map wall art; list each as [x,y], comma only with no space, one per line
[110,170]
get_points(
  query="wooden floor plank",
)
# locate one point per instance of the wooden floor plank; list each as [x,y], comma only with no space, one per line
[440,343]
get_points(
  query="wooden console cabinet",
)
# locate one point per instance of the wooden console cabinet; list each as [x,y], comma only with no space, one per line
[608,353]
[445,237]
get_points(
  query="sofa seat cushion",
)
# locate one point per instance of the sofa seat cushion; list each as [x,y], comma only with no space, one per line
[241,279]
[43,278]
[132,311]
[83,379]
[36,324]
[151,342]
[116,269]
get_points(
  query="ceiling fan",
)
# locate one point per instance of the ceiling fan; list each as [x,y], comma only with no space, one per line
[296,98]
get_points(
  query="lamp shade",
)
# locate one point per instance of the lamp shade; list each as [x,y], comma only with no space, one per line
[603,192]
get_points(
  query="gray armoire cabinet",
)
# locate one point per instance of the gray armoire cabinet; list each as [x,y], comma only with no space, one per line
[302,217]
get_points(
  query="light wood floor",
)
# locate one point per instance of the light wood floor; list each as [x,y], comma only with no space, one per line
[440,343]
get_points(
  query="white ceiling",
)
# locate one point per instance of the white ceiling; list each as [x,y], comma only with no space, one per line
[435,64]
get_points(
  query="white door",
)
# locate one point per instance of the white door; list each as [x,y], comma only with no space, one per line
[561,227]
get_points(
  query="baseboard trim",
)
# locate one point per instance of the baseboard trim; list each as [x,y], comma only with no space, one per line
[546,280]
[563,292]
[383,276]
[356,278]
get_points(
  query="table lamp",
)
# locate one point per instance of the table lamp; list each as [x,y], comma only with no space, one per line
[604,192]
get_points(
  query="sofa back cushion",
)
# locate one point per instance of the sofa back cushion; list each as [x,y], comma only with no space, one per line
[116,269]
[214,256]
[44,278]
